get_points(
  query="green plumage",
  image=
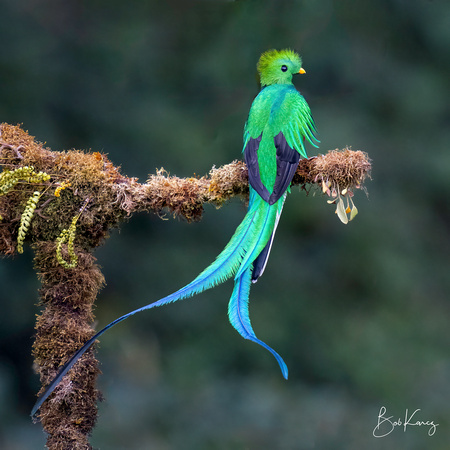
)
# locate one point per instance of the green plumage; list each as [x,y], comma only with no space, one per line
[279,107]
[278,124]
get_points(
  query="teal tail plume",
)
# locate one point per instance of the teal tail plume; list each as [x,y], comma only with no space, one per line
[239,317]
[246,244]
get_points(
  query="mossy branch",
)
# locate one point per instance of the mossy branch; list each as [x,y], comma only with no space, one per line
[77,197]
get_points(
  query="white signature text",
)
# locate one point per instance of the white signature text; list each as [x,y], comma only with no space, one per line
[386,424]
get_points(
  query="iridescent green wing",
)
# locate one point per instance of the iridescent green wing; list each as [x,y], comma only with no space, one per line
[295,122]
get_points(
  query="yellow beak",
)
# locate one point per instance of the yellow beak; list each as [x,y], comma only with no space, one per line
[302,70]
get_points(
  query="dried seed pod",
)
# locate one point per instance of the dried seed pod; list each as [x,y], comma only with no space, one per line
[25,220]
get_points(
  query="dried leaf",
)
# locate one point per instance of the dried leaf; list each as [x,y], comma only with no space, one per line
[340,211]
[354,212]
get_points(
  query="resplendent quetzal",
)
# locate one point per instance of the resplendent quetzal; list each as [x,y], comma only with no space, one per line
[278,124]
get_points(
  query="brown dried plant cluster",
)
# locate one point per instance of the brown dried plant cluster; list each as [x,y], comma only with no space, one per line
[339,173]
[83,195]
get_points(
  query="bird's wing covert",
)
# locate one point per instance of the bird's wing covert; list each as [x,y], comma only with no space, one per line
[299,125]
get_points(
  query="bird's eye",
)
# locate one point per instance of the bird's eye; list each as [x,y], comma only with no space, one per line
[283,68]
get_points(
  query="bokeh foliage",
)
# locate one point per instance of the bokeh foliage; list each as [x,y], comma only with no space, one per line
[169,84]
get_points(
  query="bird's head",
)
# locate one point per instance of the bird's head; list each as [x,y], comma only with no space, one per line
[278,66]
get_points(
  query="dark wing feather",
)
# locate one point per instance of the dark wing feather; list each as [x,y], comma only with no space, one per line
[251,159]
[259,264]
[287,162]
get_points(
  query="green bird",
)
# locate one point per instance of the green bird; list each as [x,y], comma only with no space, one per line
[278,125]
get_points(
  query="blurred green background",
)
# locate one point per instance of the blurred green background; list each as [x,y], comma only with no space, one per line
[360,312]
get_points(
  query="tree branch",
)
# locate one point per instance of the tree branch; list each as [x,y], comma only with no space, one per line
[84,195]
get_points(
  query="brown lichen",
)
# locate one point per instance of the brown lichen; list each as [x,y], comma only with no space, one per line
[67,297]
[86,176]
[344,168]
